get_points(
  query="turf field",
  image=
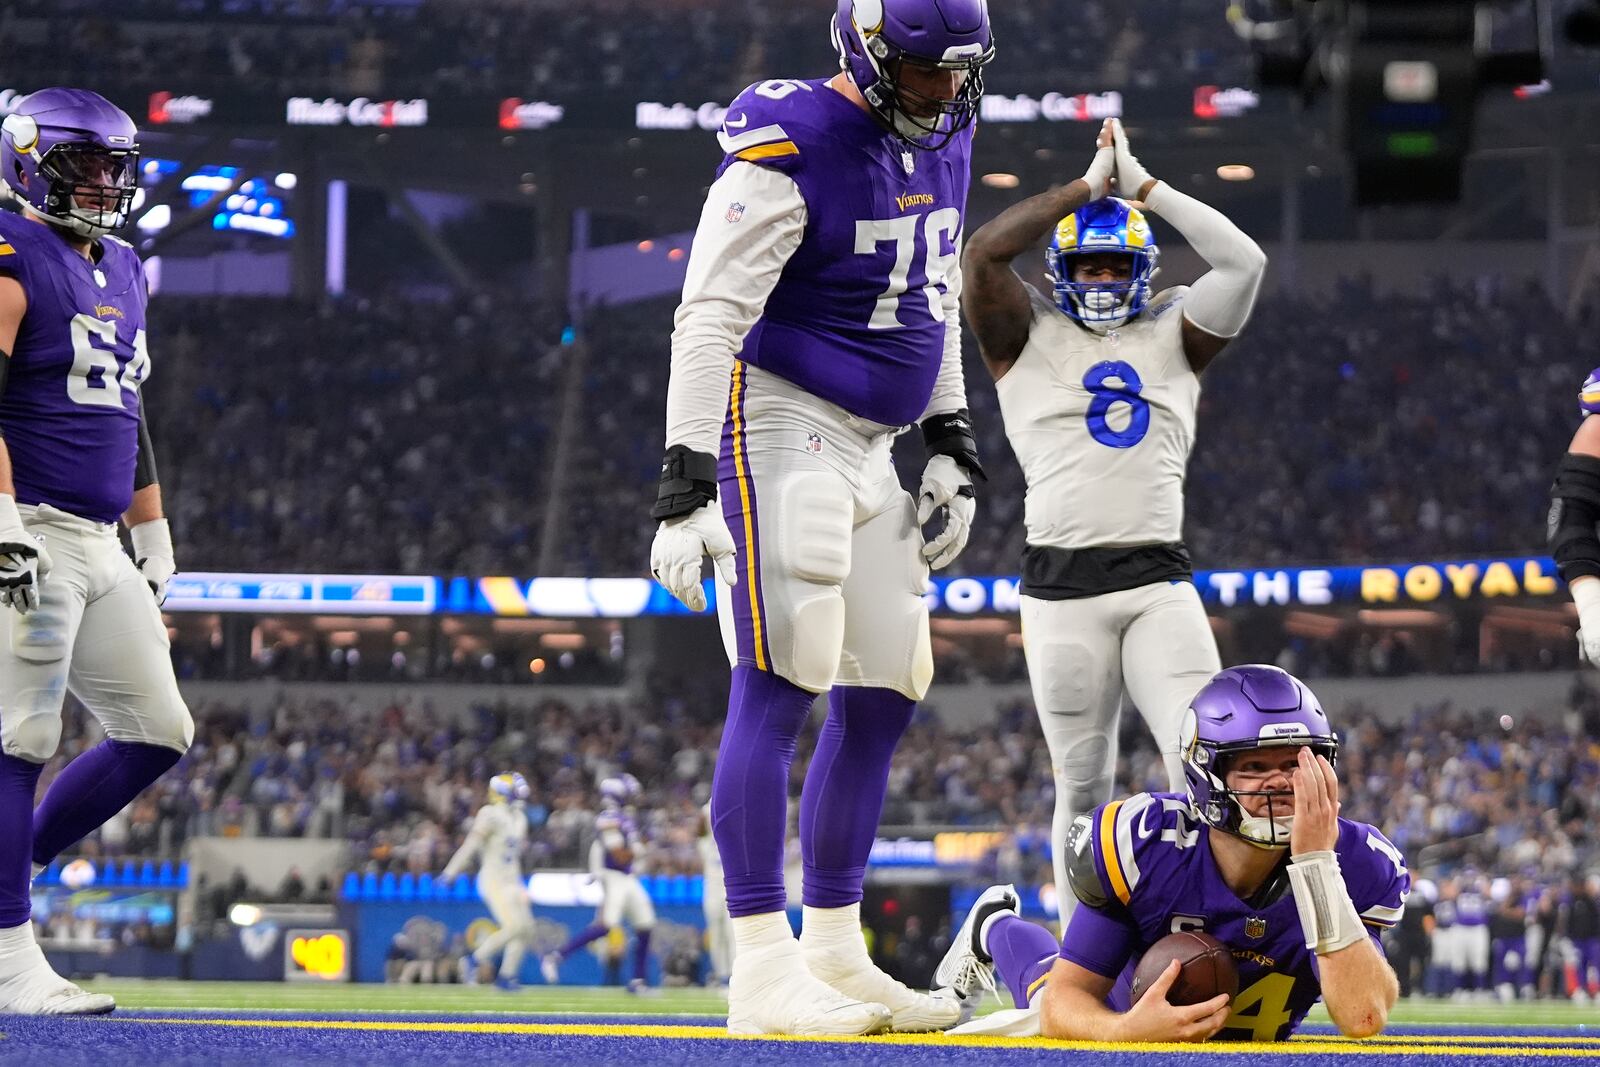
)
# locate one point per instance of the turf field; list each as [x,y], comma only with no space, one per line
[275,1023]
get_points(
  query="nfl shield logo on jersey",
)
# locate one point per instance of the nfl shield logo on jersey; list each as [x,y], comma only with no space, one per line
[735,211]
[908,161]
[1255,926]
[814,444]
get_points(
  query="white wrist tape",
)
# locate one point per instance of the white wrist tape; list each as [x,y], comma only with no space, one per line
[1327,915]
[152,539]
[1586,595]
[11,528]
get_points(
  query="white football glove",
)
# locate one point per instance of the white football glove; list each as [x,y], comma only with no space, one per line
[679,546]
[153,555]
[1586,594]
[1131,175]
[946,485]
[24,563]
[1098,176]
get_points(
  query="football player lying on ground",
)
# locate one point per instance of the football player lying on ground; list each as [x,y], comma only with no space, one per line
[1255,855]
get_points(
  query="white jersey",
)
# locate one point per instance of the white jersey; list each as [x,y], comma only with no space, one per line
[1103,426]
[710,862]
[497,836]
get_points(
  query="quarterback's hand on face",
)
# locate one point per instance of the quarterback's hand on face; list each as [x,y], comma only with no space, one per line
[1131,175]
[1099,175]
[153,555]
[1316,806]
[946,486]
[24,565]
[680,545]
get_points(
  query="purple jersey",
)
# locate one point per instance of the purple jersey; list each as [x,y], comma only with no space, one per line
[1589,395]
[615,828]
[70,411]
[857,316]
[1143,868]
[1471,908]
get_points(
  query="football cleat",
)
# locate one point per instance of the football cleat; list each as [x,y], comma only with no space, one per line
[967,969]
[1011,1022]
[40,991]
[507,985]
[550,968]
[856,976]
[772,992]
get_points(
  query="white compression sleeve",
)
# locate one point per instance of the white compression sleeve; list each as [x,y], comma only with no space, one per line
[950,388]
[1328,918]
[1220,302]
[751,224]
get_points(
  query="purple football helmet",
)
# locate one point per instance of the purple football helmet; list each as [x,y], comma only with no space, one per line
[1240,709]
[71,156]
[875,37]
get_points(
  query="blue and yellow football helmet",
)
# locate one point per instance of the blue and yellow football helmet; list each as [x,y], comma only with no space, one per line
[505,788]
[1105,225]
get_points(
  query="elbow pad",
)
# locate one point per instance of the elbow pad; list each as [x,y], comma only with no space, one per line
[1574,515]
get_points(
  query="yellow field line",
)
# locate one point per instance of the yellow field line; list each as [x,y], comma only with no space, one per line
[1400,1046]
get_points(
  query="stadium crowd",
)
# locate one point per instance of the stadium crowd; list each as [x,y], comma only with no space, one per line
[677,49]
[1451,787]
[1323,436]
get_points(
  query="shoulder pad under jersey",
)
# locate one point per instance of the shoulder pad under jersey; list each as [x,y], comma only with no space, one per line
[773,124]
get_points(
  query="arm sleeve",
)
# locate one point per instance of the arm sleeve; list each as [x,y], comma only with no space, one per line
[1220,302]
[949,388]
[1099,941]
[469,848]
[733,266]
[144,464]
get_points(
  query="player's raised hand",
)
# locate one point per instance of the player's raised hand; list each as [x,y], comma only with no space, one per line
[1316,806]
[1154,1019]
[1100,173]
[682,542]
[1132,179]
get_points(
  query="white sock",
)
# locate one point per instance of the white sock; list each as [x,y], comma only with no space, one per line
[16,939]
[835,929]
[751,932]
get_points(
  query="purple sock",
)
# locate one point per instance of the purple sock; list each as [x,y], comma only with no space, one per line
[641,954]
[18,779]
[91,789]
[843,795]
[592,932]
[1023,954]
[750,789]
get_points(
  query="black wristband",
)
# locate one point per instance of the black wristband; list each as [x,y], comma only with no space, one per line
[688,482]
[951,435]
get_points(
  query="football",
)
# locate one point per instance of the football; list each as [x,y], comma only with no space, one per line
[1208,968]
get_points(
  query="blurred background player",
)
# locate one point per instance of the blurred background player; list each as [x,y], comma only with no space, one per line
[1099,385]
[1573,526]
[84,616]
[714,902]
[616,848]
[1253,853]
[499,833]
[820,317]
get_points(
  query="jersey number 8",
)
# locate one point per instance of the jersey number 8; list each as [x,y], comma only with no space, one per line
[1126,391]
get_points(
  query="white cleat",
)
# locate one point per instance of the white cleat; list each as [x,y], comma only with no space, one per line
[41,991]
[967,970]
[772,992]
[857,976]
[550,967]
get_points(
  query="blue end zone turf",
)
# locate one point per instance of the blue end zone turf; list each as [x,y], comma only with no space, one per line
[491,1040]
